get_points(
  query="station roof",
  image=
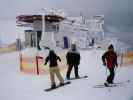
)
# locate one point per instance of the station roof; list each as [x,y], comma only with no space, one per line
[32,18]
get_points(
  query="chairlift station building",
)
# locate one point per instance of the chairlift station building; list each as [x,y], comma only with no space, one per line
[54,30]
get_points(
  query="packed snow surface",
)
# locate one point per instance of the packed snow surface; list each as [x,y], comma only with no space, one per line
[16,85]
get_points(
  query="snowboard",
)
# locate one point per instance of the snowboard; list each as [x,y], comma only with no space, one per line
[81,77]
[58,86]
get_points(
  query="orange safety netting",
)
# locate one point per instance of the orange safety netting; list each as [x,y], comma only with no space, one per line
[35,65]
[128,59]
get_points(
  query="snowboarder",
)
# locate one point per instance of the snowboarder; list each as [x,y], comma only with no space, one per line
[73,60]
[53,68]
[109,59]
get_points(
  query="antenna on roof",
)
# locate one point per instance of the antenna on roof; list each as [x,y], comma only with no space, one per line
[83,18]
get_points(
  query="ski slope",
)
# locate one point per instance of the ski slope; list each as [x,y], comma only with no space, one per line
[16,85]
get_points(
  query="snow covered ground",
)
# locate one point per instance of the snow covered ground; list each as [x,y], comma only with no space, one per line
[15,85]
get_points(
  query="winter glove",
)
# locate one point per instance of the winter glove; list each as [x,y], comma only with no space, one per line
[104,63]
[60,60]
[116,65]
[45,63]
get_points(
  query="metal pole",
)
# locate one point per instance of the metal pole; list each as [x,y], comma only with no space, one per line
[37,65]
[43,24]
[53,40]
[103,34]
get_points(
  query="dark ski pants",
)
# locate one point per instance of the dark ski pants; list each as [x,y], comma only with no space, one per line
[70,69]
[110,78]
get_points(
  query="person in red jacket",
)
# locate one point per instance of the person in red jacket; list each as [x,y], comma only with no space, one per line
[109,59]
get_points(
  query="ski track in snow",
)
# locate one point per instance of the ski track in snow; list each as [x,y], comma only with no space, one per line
[16,85]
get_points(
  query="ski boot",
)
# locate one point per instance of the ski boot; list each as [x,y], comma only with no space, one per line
[77,77]
[106,84]
[53,86]
[61,84]
[68,78]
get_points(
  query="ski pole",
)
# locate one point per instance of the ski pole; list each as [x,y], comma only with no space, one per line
[106,71]
[115,70]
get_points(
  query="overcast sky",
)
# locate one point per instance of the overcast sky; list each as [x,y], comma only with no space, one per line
[117,12]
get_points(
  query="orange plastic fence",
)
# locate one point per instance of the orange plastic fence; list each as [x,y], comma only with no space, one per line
[35,65]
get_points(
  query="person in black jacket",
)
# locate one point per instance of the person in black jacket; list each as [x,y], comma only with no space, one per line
[52,58]
[73,60]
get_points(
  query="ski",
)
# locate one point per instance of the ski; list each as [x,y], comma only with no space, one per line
[105,86]
[118,84]
[50,89]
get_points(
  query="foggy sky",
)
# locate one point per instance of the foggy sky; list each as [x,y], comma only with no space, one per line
[117,12]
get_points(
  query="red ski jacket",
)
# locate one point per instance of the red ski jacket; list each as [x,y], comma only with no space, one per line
[109,58]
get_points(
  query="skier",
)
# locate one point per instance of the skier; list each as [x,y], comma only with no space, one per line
[73,60]
[109,59]
[52,58]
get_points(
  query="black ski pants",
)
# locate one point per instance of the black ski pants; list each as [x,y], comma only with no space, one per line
[111,76]
[70,69]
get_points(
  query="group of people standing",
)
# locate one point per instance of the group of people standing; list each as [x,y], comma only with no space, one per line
[73,60]
[109,59]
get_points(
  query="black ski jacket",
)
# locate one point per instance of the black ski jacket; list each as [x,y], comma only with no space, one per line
[73,58]
[52,60]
